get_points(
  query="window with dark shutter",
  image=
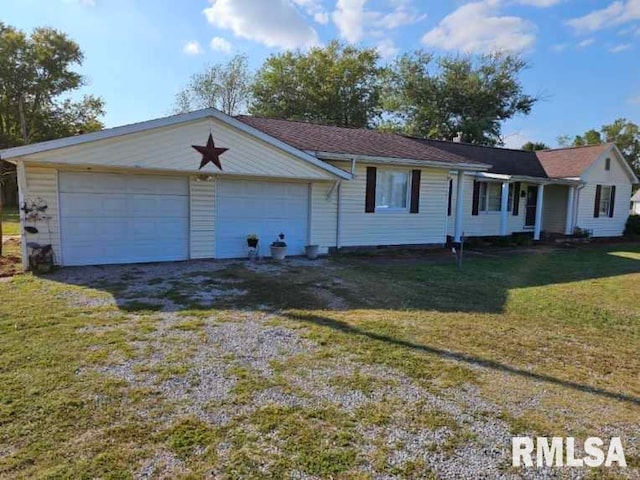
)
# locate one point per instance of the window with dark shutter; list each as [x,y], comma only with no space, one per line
[612,201]
[415,191]
[596,206]
[516,199]
[370,195]
[475,207]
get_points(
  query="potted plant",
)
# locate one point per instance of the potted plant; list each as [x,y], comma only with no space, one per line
[252,240]
[279,248]
[311,251]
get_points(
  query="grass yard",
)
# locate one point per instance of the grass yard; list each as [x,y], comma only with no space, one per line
[349,368]
[10,221]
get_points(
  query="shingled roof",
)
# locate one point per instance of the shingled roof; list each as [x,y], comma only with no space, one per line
[504,161]
[572,161]
[352,141]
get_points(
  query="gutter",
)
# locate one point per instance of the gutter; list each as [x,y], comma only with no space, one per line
[344,157]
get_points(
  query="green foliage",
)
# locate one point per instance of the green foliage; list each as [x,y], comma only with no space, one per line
[334,85]
[36,71]
[624,133]
[439,98]
[633,225]
[533,146]
[226,87]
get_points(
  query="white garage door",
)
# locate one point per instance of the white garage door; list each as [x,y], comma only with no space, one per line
[115,218]
[263,208]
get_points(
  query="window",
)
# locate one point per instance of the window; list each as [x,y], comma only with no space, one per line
[490,197]
[607,164]
[605,201]
[392,190]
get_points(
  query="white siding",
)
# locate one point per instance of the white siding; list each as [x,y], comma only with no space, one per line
[485,224]
[604,226]
[43,183]
[554,214]
[202,218]
[169,148]
[358,228]
[324,215]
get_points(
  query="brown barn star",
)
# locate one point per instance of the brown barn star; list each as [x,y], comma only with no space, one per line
[210,153]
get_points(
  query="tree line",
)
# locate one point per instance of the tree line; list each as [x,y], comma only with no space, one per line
[343,85]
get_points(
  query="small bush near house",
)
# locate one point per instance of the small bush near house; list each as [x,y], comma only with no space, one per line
[633,225]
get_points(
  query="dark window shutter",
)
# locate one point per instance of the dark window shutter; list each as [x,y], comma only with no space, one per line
[612,201]
[596,206]
[370,195]
[475,207]
[450,196]
[415,191]
[516,199]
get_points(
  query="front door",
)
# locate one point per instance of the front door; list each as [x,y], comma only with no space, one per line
[532,200]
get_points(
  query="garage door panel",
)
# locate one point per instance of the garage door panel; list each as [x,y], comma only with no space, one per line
[263,208]
[114,218]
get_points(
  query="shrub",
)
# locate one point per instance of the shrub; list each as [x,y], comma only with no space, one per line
[633,225]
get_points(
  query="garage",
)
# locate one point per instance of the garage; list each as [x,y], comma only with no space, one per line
[120,218]
[264,208]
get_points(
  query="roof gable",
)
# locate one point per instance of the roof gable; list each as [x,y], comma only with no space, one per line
[126,133]
[570,162]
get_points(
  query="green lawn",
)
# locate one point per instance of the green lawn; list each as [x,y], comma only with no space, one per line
[10,221]
[332,371]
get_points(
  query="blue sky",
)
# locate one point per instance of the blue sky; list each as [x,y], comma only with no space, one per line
[584,54]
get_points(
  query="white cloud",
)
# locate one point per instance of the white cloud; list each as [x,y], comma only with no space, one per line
[87,3]
[321,17]
[315,9]
[192,48]
[387,48]
[352,18]
[620,48]
[586,43]
[478,27]
[277,23]
[617,13]
[219,44]
[540,3]
[349,18]
[559,47]
[635,100]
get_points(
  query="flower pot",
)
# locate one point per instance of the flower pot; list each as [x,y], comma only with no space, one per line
[252,242]
[311,251]
[278,253]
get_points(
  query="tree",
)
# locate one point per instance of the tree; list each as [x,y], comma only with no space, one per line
[36,74]
[226,87]
[533,146]
[334,85]
[440,98]
[624,133]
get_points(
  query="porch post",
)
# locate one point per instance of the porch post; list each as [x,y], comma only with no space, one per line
[459,207]
[504,208]
[568,230]
[539,204]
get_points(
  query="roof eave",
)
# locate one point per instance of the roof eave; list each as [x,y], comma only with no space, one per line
[398,161]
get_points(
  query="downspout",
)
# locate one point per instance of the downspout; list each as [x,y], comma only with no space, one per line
[338,216]
[576,206]
[22,191]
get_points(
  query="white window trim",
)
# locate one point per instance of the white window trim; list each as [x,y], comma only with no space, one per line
[605,214]
[392,210]
[489,212]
